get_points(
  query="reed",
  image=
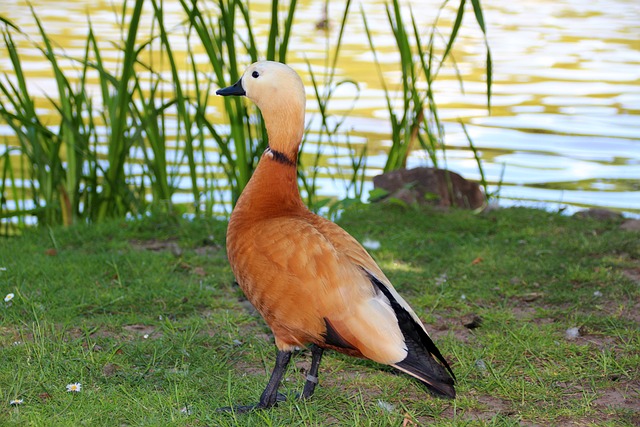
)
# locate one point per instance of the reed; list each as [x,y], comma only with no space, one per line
[36,142]
[59,173]
[240,148]
[330,125]
[9,188]
[417,119]
[70,180]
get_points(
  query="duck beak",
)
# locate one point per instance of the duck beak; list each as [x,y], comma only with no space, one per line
[236,89]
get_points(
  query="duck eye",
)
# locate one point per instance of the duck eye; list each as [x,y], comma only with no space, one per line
[255,74]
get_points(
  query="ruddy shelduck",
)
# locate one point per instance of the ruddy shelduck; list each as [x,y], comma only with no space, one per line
[311,281]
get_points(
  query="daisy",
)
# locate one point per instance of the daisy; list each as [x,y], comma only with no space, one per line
[9,297]
[75,387]
[16,402]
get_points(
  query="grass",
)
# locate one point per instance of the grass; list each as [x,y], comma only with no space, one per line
[146,316]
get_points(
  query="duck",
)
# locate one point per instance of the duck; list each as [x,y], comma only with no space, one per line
[313,283]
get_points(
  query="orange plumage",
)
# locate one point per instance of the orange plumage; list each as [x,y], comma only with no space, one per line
[311,281]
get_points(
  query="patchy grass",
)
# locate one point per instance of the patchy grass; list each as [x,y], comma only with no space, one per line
[146,317]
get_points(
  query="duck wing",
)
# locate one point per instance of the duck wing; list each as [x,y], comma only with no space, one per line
[423,360]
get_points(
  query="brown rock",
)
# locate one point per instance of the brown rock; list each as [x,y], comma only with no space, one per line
[110,369]
[599,214]
[631,225]
[431,186]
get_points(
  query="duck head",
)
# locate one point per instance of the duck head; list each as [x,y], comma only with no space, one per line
[278,92]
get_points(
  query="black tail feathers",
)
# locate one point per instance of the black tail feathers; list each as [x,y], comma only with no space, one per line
[421,365]
[424,361]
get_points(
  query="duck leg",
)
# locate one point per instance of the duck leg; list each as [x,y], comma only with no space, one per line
[312,376]
[270,396]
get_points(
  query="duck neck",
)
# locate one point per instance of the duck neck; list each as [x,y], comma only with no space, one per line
[285,127]
[273,188]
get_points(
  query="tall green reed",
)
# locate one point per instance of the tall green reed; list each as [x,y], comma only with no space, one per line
[185,120]
[417,119]
[71,180]
[39,144]
[9,189]
[331,125]
[116,200]
[227,50]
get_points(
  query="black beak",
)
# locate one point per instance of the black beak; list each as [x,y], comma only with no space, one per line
[236,89]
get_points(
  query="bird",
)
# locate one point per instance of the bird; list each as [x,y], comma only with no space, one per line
[311,281]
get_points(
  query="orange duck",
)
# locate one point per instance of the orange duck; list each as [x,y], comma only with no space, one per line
[312,282]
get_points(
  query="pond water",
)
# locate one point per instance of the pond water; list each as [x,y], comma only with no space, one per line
[564,128]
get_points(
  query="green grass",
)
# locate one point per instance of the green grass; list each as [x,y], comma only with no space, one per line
[86,297]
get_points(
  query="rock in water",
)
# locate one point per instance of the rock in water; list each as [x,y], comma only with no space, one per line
[631,225]
[599,214]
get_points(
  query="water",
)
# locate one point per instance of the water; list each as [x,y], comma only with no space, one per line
[564,129]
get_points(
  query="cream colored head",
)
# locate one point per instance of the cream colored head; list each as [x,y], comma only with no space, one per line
[278,92]
[273,85]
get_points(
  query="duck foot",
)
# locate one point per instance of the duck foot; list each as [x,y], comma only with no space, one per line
[270,396]
[243,409]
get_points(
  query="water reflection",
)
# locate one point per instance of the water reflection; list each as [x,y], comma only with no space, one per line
[565,120]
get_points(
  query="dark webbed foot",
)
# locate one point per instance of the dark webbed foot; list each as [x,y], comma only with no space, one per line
[270,396]
[242,409]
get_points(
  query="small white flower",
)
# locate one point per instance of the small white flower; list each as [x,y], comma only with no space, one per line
[386,405]
[145,336]
[3,268]
[9,297]
[597,294]
[572,333]
[75,387]
[441,279]
[16,402]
